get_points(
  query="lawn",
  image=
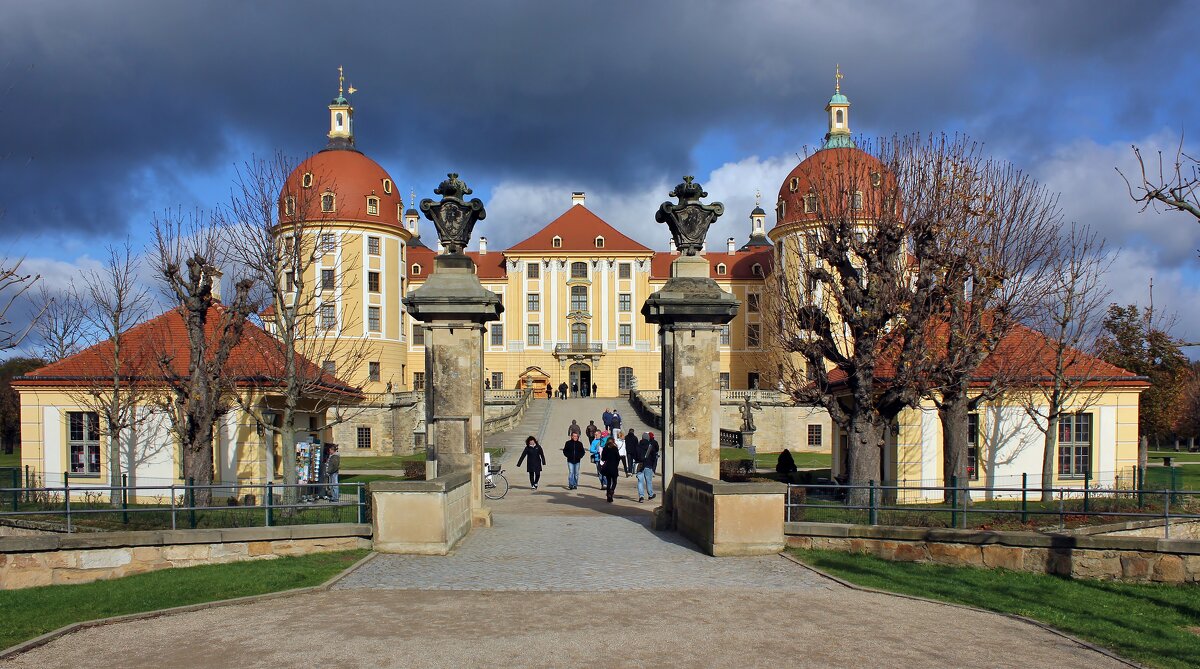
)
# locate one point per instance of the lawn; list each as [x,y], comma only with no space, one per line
[768,460]
[1181,456]
[1186,477]
[34,611]
[1148,623]
[10,460]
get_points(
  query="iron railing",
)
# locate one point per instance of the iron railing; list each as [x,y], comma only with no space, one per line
[1121,498]
[585,349]
[77,508]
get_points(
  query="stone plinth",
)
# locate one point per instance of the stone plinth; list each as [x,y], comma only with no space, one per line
[454,307]
[690,310]
[421,517]
[726,519]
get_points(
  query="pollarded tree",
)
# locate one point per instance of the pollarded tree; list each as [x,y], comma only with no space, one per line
[1172,187]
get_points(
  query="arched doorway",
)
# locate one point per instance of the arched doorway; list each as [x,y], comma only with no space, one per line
[581,378]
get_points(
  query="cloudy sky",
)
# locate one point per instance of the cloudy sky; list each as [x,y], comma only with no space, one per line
[112,111]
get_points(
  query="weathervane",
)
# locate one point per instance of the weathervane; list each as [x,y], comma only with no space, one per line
[837,79]
[757,197]
[341,84]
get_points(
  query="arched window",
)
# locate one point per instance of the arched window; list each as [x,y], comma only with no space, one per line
[556,242]
[721,269]
[625,378]
[599,242]
[757,270]
[416,269]
[306,180]
[579,270]
[387,186]
[328,202]
[840,117]
[579,334]
[289,205]
[339,119]
[794,184]
[373,206]
[579,298]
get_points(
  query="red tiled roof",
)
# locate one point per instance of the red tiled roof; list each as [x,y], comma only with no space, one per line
[161,343]
[738,265]
[825,172]
[352,177]
[488,266]
[1024,355]
[578,227]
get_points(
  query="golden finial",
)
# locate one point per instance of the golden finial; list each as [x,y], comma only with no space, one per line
[837,79]
[757,197]
[341,80]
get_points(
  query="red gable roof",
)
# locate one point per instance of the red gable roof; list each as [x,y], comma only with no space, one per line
[578,227]
[487,266]
[161,344]
[738,265]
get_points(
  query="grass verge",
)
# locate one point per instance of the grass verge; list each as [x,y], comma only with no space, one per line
[1149,623]
[768,460]
[9,460]
[35,611]
[1180,456]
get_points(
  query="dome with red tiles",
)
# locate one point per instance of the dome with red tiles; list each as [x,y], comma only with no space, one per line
[341,184]
[842,171]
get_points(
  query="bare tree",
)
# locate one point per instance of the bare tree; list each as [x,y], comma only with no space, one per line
[281,234]
[62,329]
[1063,376]
[112,300]
[1174,187]
[186,253]
[13,284]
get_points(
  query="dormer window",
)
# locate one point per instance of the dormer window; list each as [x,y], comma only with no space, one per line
[556,242]
[856,200]
[416,269]
[289,205]
[328,202]
[810,203]
[721,269]
[373,205]
[757,270]
[876,179]
[599,242]
[794,184]
[387,186]
[306,180]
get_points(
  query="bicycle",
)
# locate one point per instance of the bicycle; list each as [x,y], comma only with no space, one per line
[495,486]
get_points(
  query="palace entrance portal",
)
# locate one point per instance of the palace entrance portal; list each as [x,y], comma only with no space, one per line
[581,378]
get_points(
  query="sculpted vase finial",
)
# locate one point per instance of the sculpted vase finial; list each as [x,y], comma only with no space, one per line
[688,218]
[453,217]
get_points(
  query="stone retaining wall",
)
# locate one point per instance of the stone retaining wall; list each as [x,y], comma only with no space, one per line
[54,559]
[1125,558]
[726,519]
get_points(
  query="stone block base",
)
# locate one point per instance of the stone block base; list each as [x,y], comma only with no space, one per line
[728,519]
[422,517]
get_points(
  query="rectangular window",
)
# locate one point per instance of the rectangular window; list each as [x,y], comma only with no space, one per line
[418,335]
[533,302]
[724,380]
[973,446]
[1074,445]
[856,200]
[625,334]
[752,305]
[533,270]
[373,245]
[579,270]
[579,298]
[624,270]
[328,317]
[373,282]
[497,380]
[418,380]
[373,371]
[497,334]
[328,243]
[624,303]
[329,366]
[327,279]
[364,437]
[814,436]
[83,439]
[533,335]
[372,206]
[289,279]
[810,203]
[373,319]
[724,335]
[753,336]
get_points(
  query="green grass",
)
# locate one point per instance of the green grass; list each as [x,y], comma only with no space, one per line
[1143,622]
[34,611]
[1182,456]
[10,460]
[1185,478]
[768,460]
[363,478]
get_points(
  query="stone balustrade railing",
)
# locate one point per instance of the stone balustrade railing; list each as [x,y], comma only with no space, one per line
[648,406]
[510,419]
[654,397]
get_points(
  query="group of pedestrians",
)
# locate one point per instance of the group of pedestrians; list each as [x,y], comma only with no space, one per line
[574,390]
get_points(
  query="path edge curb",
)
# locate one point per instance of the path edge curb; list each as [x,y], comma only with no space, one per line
[1028,621]
[26,646]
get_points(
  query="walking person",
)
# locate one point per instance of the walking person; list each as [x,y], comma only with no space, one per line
[606,417]
[645,474]
[573,450]
[334,466]
[616,420]
[573,428]
[574,389]
[610,461]
[594,389]
[591,430]
[562,390]
[631,452]
[594,449]
[535,458]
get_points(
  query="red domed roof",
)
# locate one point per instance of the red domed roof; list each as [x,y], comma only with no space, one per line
[353,178]
[828,170]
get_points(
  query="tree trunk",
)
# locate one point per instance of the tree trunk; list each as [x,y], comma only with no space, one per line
[1143,452]
[1049,452]
[865,445]
[114,466]
[954,412]
[198,461]
[288,455]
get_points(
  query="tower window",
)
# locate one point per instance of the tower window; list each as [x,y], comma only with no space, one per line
[373,282]
[306,180]
[840,117]
[338,117]
[373,371]
[374,320]
[556,242]
[856,200]
[794,184]
[289,205]
[721,269]
[810,203]
[373,245]
[599,242]
[327,202]
[373,206]
[387,186]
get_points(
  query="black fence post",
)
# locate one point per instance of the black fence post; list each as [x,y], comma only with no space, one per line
[125,498]
[191,498]
[1140,482]
[1024,497]
[873,512]
[16,487]
[1087,484]
[268,502]
[362,503]
[953,501]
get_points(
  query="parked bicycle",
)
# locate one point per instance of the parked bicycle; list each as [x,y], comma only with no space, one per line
[495,485]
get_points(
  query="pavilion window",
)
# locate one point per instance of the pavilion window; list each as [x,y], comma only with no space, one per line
[83,440]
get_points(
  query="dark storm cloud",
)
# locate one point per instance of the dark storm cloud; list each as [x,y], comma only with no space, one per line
[113,107]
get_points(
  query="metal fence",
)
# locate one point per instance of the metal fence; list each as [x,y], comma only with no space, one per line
[1140,495]
[92,508]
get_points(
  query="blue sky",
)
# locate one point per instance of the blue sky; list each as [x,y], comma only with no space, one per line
[115,111]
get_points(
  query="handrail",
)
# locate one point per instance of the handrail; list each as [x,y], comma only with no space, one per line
[593,347]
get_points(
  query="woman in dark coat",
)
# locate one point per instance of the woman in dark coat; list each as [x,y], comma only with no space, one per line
[536,458]
[610,463]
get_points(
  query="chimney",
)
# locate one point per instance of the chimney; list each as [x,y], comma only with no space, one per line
[673,251]
[216,274]
[577,198]
[732,245]
[483,246]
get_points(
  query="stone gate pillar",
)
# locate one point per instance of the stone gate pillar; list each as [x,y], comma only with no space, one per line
[689,310]
[454,307]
